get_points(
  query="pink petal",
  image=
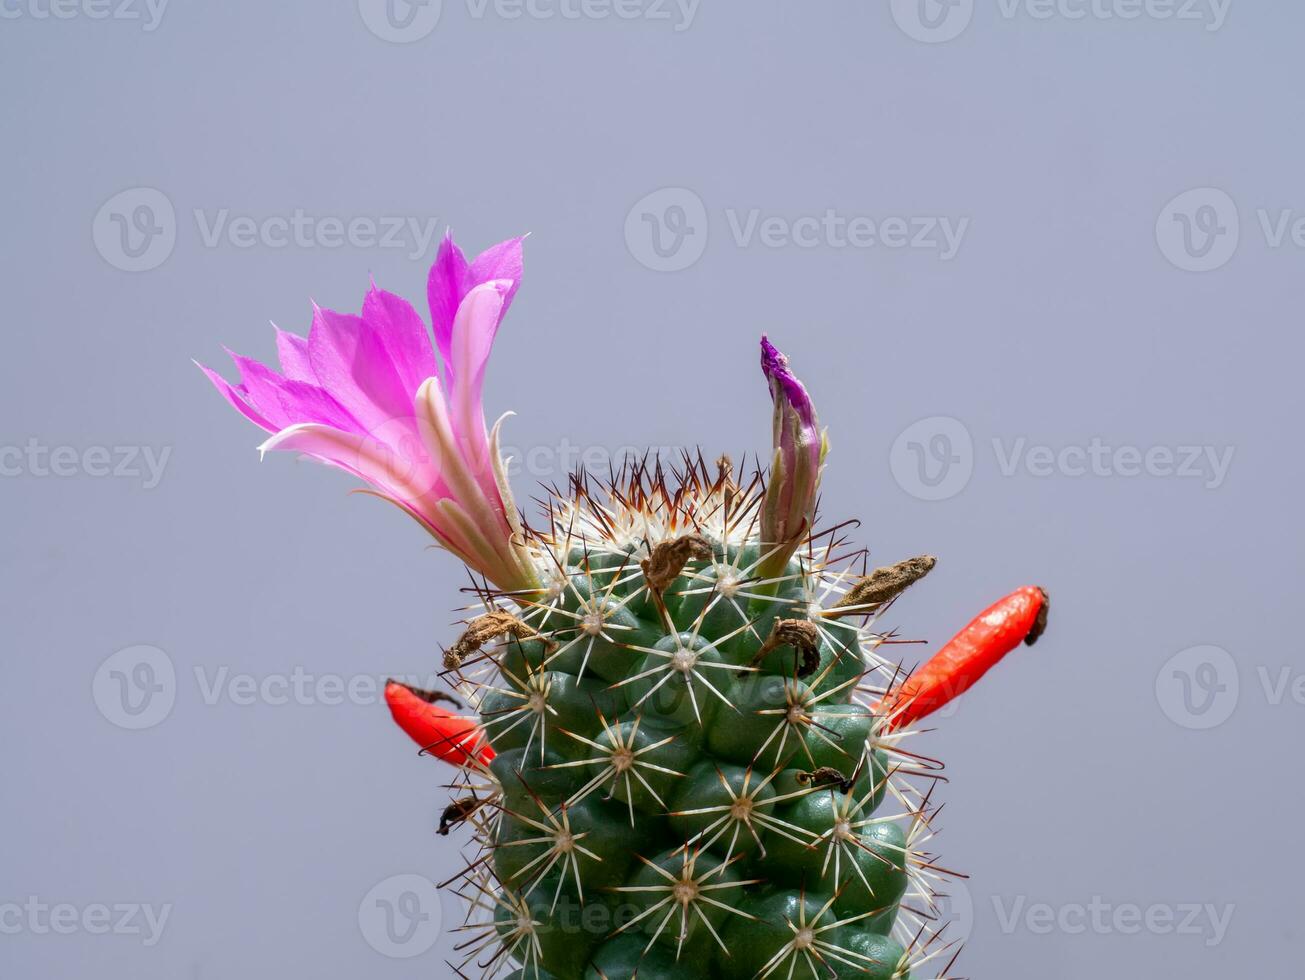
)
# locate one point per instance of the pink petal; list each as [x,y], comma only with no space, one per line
[451,279]
[292,350]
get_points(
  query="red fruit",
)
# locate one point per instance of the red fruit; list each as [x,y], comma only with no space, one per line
[437,730]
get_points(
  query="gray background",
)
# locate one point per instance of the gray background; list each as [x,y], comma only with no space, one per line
[1076,774]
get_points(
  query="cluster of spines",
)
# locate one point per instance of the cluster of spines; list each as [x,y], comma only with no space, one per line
[594,554]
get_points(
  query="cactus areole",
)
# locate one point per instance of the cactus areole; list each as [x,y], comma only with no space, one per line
[686,751]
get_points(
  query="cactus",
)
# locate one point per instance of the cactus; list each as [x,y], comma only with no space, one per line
[686,766]
[688,758]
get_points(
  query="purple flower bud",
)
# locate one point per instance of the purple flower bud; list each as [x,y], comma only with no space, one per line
[789,506]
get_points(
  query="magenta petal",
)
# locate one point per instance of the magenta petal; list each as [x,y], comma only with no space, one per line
[352,362]
[237,400]
[285,402]
[774,365]
[444,290]
[404,333]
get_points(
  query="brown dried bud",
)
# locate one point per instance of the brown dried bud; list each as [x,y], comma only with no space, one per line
[668,559]
[881,586]
[484,628]
[802,635]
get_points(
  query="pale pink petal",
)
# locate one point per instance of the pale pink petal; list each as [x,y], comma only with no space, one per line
[473,338]
[441,439]
[501,478]
[501,261]
[373,461]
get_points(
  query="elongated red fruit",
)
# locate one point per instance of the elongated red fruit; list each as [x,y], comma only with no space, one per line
[437,730]
[969,655]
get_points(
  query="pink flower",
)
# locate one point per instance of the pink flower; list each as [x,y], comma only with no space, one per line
[789,506]
[370,395]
